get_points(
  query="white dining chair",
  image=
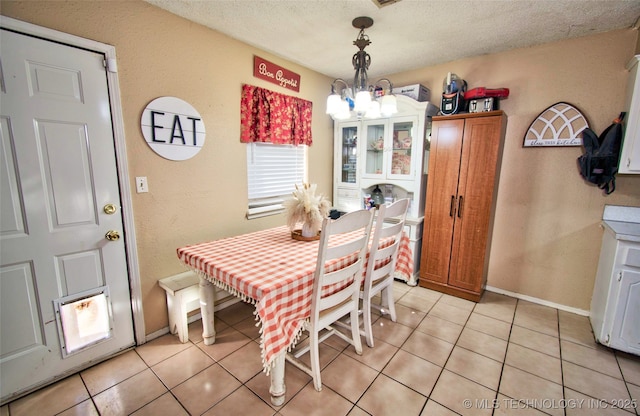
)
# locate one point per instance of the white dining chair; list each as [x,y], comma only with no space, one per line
[336,286]
[383,254]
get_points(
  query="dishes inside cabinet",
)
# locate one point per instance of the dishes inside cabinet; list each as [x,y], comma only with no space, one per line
[401,139]
[406,143]
[400,164]
[378,144]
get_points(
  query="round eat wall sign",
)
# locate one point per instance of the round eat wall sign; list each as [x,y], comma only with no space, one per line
[172,128]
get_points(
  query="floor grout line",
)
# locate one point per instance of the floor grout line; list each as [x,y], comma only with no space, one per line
[414,330]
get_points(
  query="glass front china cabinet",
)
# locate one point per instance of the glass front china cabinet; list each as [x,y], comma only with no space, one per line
[389,153]
[389,148]
[348,154]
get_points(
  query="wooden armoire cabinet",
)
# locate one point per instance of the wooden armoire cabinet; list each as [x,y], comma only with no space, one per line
[464,167]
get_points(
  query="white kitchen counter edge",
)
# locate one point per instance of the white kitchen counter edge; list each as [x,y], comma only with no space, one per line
[623,221]
[621,213]
[628,231]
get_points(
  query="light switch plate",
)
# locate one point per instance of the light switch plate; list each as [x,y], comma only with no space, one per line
[141,184]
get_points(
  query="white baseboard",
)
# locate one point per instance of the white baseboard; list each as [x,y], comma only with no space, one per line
[157,334]
[165,330]
[538,301]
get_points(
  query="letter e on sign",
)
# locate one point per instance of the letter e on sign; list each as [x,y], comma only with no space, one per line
[172,128]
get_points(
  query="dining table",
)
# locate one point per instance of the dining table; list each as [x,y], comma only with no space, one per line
[274,272]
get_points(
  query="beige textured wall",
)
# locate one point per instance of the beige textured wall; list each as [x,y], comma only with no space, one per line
[160,54]
[547,236]
[546,239]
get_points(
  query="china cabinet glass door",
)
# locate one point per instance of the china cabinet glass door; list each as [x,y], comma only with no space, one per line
[349,154]
[375,148]
[403,140]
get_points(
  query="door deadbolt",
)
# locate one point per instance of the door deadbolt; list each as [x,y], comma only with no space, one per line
[112,235]
[109,209]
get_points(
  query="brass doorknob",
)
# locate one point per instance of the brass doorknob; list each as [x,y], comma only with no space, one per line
[112,235]
[109,209]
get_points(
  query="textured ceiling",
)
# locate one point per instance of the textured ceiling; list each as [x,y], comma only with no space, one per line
[407,34]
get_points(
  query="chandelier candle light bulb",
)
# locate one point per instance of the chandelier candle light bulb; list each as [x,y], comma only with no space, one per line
[363,101]
[374,110]
[388,104]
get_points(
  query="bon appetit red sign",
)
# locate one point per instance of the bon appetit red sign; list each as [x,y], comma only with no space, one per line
[271,72]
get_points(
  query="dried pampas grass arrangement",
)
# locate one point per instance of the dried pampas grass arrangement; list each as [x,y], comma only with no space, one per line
[307,208]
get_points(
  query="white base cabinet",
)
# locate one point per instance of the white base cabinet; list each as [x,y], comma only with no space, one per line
[615,305]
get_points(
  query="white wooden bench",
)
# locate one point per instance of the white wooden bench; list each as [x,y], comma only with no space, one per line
[183,297]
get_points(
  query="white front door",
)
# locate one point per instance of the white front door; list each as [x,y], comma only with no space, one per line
[64,286]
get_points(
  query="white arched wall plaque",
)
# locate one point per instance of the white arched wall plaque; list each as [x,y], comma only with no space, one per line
[559,125]
[172,128]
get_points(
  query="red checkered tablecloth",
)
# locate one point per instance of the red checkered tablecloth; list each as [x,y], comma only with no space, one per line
[273,271]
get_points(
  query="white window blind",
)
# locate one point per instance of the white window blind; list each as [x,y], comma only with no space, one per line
[273,170]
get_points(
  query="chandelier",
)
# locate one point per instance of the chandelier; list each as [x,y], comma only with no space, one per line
[362,99]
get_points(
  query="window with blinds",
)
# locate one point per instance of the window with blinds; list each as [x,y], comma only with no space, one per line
[273,171]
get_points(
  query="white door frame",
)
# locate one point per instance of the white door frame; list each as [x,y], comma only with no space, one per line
[120,148]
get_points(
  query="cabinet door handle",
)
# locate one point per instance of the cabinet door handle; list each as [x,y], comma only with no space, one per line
[452,206]
[460,207]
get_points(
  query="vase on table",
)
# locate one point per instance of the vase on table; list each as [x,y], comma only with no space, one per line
[306,208]
[309,230]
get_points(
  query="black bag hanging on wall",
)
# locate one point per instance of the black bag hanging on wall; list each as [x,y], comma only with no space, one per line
[599,163]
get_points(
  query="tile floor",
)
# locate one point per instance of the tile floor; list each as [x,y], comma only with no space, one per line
[444,356]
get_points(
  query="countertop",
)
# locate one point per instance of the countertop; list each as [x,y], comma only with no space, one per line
[623,221]
[629,231]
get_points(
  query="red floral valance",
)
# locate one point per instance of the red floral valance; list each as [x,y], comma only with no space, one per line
[267,116]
